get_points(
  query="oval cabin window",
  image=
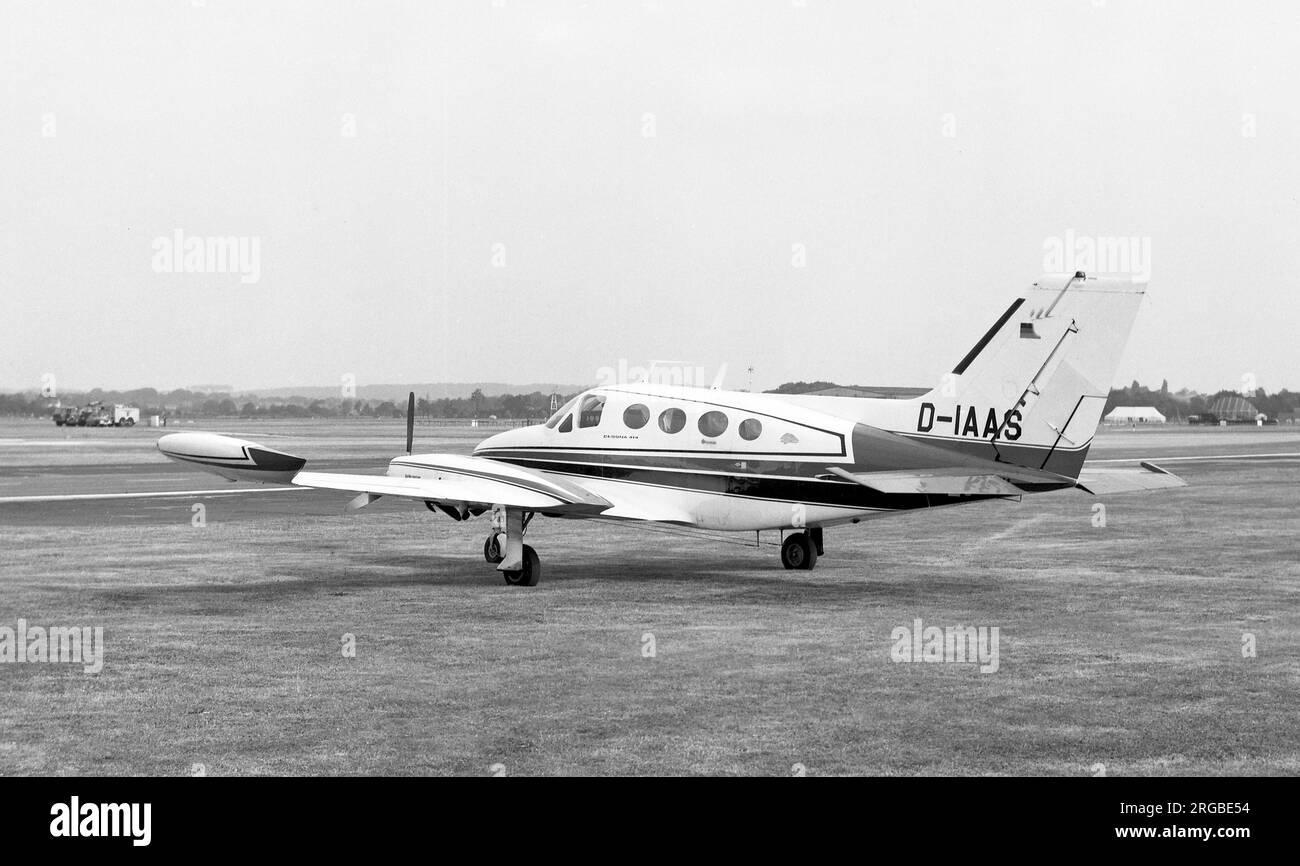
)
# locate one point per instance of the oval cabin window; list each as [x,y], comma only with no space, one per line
[636,416]
[672,420]
[750,429]
[713,424]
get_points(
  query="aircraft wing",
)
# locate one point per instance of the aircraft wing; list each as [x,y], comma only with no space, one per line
[1145,476]
[459,484]
[465,482]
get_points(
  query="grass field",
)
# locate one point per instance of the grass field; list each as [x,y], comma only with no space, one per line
[1121,645]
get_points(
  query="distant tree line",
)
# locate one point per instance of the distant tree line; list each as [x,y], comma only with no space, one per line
[803,387]
[1175,406]
[1178,405]
[192,404]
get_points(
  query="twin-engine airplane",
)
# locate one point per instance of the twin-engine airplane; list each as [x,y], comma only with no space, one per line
[1016,416]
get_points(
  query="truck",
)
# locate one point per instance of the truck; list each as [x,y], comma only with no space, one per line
[125,416]
[66,415]
[97,414]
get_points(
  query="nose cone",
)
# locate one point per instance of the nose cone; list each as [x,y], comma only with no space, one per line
[521,437]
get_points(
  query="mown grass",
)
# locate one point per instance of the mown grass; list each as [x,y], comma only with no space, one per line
[1120,645]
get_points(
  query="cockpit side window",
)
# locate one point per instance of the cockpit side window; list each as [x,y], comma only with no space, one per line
[592,407]
[561,412]
[567,425]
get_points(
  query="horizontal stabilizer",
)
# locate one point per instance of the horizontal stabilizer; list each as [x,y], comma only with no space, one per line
[1146,476]
[955,481]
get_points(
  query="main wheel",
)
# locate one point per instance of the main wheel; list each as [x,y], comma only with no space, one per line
[531,573]
[798,552]
[492,549]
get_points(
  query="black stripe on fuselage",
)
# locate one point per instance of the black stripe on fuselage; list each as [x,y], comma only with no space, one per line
[869,458]
[809,491]
[686,461]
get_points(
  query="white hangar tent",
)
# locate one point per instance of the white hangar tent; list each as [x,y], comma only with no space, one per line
[1135,415]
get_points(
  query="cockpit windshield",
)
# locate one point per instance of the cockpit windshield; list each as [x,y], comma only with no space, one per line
[561,412]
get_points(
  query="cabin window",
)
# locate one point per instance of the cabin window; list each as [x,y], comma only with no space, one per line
[751,429]
[561,412]
[672,420]
[636,416]
[567,425]
[592,407]
[713,424]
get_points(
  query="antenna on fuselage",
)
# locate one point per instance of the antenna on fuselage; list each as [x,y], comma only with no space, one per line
[410,421]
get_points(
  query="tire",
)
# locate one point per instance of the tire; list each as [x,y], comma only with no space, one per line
[531,573]
[492,549]
[798,552]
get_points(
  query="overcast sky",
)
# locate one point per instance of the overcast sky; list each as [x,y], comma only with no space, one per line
[515,191]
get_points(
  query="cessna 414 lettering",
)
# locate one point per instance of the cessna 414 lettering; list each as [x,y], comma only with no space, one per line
[1015,416]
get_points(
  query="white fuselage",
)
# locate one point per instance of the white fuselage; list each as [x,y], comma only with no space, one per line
[713,459]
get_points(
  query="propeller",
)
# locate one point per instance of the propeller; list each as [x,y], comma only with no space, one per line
[410,421]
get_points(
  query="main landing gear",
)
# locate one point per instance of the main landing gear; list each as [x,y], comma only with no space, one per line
[518,563]
[799,551]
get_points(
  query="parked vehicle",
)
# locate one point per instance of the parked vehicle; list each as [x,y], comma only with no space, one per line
[66,415]
[125,416]
[97,414]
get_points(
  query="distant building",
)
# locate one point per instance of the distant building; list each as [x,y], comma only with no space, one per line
[1235,409]
[1135,415]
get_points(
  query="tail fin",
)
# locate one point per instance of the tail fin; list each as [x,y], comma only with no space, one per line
[1033,389]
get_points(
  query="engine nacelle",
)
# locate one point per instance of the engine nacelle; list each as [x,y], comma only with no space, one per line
[236,459]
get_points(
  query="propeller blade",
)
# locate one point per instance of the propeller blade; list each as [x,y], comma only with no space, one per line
[410,422]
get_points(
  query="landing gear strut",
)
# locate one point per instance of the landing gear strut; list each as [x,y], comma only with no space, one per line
[799,551]
[518,563]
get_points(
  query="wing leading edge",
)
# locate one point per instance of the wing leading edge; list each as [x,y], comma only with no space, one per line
[449,479]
